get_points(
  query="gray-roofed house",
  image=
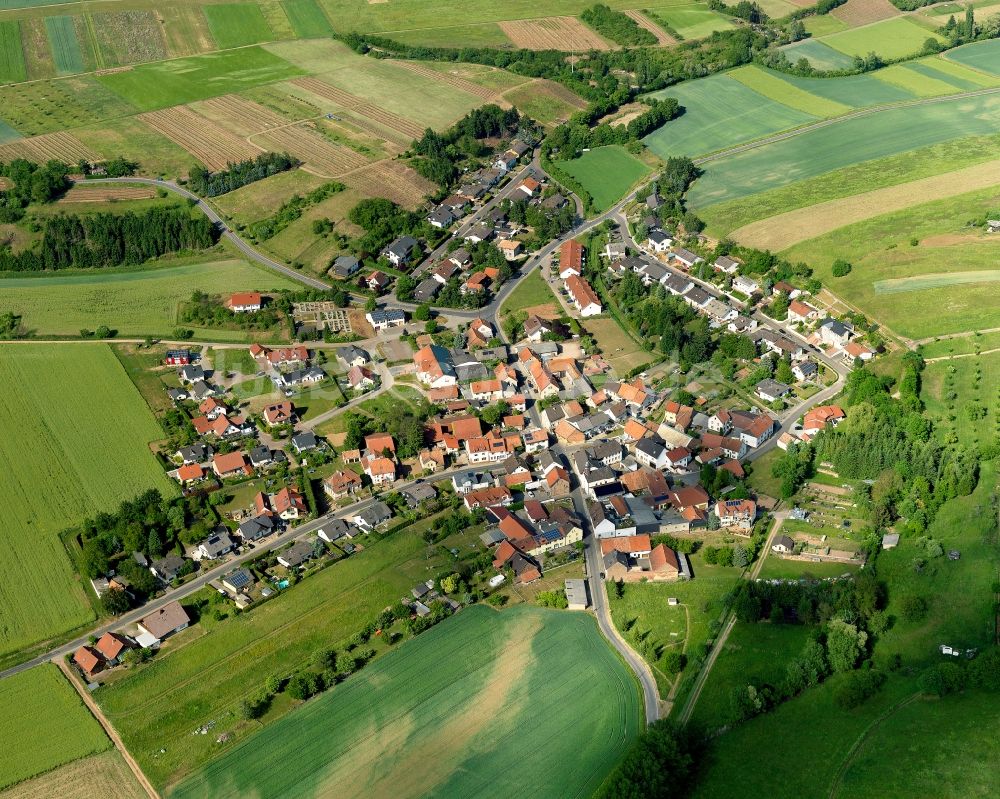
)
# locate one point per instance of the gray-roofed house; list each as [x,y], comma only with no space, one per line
[305,441]
[177,394]
[297,554]
[399,251]
[215,546]
[256,528]
[335,529]
[418,493]
[167,568]
[261,456]
[195,453]
[191,373]
[345,266]
[426,290]
[770,390]
[372,517]
[237,581]
[354,356]
[783,545]
[441,217]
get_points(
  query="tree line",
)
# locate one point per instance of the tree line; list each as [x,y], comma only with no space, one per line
[211,184]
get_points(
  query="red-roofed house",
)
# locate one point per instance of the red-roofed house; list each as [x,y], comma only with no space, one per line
[570,259]
[244,302]
[89,660]
[231,464]
[583,296]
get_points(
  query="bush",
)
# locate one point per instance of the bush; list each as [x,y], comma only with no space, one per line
[840,268]
[914,608]
[944,678]
[674,661]
[857,687]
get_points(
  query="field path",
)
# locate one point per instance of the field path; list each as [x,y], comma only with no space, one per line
[88,700]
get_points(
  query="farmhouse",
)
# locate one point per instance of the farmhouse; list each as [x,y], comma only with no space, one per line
[89,661]
[244,302]
[161,624]
[112,646]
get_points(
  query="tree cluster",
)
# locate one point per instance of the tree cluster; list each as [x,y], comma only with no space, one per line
[383,221]
[405,426]
[211,184]
[291,209]
[615,25]
[31,183]
[660,765]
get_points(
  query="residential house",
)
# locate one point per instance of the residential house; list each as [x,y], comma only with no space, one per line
[529,187]
[835,332]
[213,547]
[783,545]
[658,241]
[465,482]
[801,312]
[417,494]
[431,460]
[377,281]
[736,514]
[178,357]
[686,258]
[112,646]
[400,251]
[435,367]
[231,464]
[511,249]
[726,265]
[488,498]
[162,623]
[238,581]
[372,517]
[244,302]
[771,390]
[426,290]
[385,318]
[805,370]
[745,285]
[167,568]
[583,296]
[441,217]
[89,661]
[305,441]
[570,259]
[360,378]
[288,504]
[279,413]
[345,267]
[381,470]
[297,554]
[256,528]
[342,483]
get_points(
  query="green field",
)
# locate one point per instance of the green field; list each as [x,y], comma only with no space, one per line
[890,38]
[820,25]
[959,376]
[821,56]
[691,21]
[720,112]
[135,303]
[932,274]
[481,35]
[842,144]
[607,173]
[307,18]
[448,714]
[65,46]
[984,56]
[12,68]
[774,87]
[45,724]
[63,455]
[184,80]
[948,751]
[237,24]
[531,292]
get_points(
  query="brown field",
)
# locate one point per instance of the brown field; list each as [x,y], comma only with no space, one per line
[104,775]
[454,81]
[782,231]
[58,146]
[318,155]
[207,141]
[243,117]
[361,107]
[97,194]
[392,180]
[662,37]
[553,33]
[864,12]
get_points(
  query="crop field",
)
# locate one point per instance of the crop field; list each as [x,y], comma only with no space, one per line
[12,68]
[820,55]
[842,144]
[822,24]
[46,724]
[66,51]
[99,194]
[946,745]
[104,774]
[243,117]
[135,303]
[774,88]
[553,33]
[60,146]
[455,708]
[210,143]
[307,19]
[454,81]
[53,105]
[721,112]
[150,87]
[780,232]
[237,24]
[864,12]
[360,107]
[320,156]
[477,35]
[185,30]
[392,180]
[930,274]
[692,21]
[892,38]
[606,173]
[128,37]
[63,455]
[663,38]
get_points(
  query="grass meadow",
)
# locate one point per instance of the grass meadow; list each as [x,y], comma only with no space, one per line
[64,455]
[307,19]
[45,724]
[135,303]
[12,67]
[692,21]
[237,24]
[820,55]
[607,173]
[891,38]
[447,714]
[951,387]
[531,292]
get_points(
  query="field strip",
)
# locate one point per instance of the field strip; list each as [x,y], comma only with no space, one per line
[242,116]
[207,141]
[92,194]
[936,280]
[962,354]
[553,33]
[781,91]
[60,146]
[454,81]
[322,157]
[360,106]
[858,13]
[779,232]
[663,38]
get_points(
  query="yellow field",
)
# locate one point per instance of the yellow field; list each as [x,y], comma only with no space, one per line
[104,775]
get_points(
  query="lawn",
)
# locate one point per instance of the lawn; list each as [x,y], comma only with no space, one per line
[46,724]
[939,748]
[720,112]
[531,292]
[307,18]
[64,455]
[447,714]
[891,38]
[753,653]
[842,144]
[160,85]
[237,24]
[12,68]
[135,303]
[607,173]
[618,347]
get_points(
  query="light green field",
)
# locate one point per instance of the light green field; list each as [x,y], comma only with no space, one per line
[918,83]
[49,105]
[63,455]
[12,68]
[691,21]
[821,25]
[45,724]
[890,38]
[160,85]
[65,46]
[530,292]
[481,35]
[818,54]
[720,112]
[958,376]
[775,88]
[237,24]
[880,250]
[782,569]
[984,56]
[307,18]
[448,713]
[606,173]
[134,303]
[961,345]
[842,144]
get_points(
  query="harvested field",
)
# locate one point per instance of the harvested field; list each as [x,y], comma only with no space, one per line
[663,38]
[97,194]
[207,141]
[392,180]
[105,774]
[553,33]
[452,80]
[59,146]
[864,12]
[317,154]
[779,232]
[240,115]
[362,107]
